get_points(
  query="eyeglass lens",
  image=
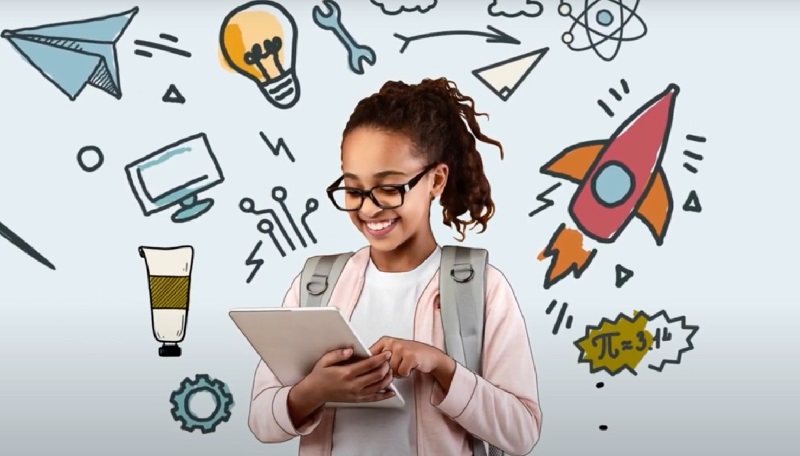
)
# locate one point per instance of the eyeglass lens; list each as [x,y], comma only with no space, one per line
[387,197]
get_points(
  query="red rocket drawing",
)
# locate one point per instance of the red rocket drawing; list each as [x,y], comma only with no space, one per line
[618,179]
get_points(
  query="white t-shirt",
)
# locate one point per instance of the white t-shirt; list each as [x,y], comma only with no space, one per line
[386,307]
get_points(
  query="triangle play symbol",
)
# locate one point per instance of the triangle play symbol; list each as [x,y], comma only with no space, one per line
[623,275]
[173,95]
[503,78]
[692,203]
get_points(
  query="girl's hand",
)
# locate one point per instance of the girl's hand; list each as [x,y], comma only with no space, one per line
[409,355]
[339,378]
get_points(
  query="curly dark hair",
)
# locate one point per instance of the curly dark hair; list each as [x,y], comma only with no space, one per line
[442,124]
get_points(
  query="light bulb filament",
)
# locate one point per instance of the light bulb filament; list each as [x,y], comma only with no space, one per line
[258,53]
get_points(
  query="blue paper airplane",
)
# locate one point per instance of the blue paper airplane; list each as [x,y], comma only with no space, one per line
[73,54]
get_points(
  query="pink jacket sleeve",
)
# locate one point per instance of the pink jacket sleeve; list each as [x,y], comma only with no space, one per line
[502,406]
[269,412]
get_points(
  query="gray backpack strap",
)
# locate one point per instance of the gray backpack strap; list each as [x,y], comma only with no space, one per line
[462,284]
[461,297]
[318,278]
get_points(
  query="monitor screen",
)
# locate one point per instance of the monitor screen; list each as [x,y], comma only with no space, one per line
[177,171]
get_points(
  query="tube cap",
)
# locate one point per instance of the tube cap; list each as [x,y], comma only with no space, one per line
[169,351]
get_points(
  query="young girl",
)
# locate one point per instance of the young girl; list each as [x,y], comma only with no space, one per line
[402,148]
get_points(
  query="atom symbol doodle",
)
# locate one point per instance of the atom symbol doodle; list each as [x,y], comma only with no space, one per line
[614,22]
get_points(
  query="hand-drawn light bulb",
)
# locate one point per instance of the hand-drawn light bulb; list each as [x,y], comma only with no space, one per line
[258,40]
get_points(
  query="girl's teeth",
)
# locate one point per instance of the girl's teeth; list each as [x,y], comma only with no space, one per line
[378,226]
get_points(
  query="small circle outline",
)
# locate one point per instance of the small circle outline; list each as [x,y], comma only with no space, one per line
[623,199]
[100,158]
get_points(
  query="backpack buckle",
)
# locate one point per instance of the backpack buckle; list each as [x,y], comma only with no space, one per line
[462,273]
[317,285]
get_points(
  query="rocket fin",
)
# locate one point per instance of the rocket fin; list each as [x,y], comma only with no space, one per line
[655,210]
[574,162]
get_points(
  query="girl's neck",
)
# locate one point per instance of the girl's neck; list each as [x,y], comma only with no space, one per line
[406,256]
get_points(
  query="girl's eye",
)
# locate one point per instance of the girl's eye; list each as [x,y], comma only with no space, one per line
[387,190]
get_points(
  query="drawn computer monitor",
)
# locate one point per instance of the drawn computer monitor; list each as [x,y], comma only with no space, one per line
[175,175]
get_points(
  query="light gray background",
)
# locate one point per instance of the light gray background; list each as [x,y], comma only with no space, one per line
[79,365]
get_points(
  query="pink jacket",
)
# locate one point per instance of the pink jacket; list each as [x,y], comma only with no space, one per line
[500,407]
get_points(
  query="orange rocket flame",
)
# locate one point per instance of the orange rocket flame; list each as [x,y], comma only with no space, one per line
[569,256]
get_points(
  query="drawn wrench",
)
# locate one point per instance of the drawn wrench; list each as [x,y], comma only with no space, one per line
[356,53]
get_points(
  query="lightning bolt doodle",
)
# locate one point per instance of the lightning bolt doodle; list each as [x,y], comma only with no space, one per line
[277,148]
[252,261]
[569,256]
[542,198]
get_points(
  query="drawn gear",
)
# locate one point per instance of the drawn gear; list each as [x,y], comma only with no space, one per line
[202,383]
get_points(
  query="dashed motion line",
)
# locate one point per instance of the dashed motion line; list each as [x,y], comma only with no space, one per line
[561,313]
[160,47]
[617,96]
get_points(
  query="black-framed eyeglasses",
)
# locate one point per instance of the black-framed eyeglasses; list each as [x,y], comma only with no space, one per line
[385,196]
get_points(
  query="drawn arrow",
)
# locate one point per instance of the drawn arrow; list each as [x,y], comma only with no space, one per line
[493,36]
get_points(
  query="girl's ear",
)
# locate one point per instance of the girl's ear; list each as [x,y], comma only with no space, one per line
[440,175]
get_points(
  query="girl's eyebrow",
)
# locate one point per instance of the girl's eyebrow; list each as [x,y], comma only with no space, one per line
[378,175]
[387,173]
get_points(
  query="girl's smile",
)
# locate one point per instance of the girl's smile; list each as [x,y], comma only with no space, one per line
[380,228]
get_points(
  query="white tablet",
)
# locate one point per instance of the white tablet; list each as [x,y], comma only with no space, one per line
[292,340]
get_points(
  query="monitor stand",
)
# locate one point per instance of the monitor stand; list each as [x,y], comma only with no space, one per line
[191,208]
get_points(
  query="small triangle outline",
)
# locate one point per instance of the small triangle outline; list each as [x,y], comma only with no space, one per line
[692,203]
[173,95]
[623,275]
